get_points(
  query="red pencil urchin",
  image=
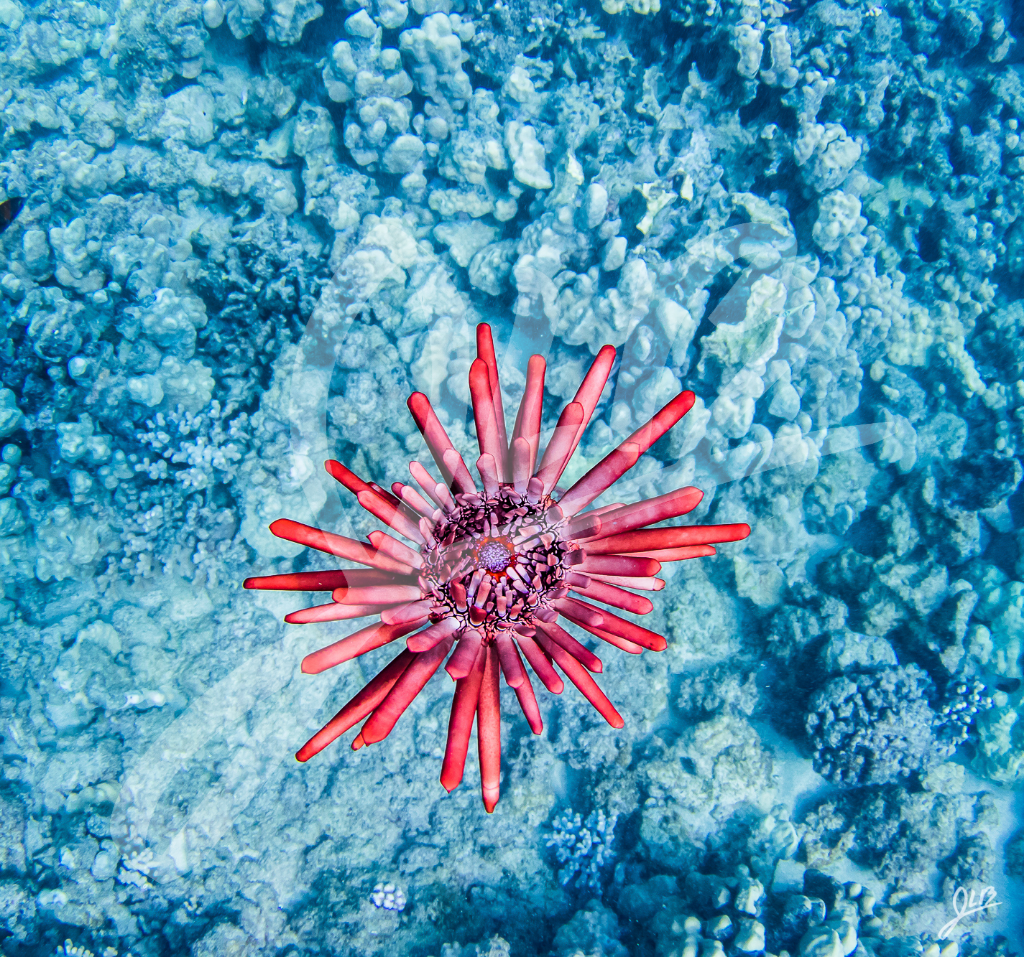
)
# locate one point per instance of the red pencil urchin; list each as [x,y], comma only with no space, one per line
[489,572]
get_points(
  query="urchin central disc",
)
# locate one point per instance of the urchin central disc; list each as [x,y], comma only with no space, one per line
[494,556]
[494,561]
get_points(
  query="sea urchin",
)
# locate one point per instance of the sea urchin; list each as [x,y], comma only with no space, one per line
[490,572]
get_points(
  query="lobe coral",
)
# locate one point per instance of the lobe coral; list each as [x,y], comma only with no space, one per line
[489,572]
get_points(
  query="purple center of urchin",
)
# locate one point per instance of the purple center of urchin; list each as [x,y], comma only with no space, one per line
[494,556]
[494,562]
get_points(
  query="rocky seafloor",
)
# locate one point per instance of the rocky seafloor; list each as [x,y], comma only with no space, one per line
[252,227]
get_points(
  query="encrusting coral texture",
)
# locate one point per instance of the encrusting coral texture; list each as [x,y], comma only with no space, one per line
[493,570]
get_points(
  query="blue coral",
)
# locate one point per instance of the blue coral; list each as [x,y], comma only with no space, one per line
[582,847]
[963,701]
[876,727]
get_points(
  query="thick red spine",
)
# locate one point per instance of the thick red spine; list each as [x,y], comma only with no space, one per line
[606,623]
[531,409]
[336,545]
[485,351]
[528,702]
[395,549]
[487,431]
[618,565]
[432,431]
[333,611]
[600,478]
[352,646]
[580,677]
[377,594]
[357,708]
[434,635]
[322,580]
[420,670]
[580,652]
[559,448]
[488,730]
[653,510]
[541,663]
[461,663]
[613,595]
[460,724]
[676,554]
[589,392]
[650,539]
[662,421]
[508,658]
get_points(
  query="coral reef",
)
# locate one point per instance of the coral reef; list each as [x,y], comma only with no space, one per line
[237,233]
[876,727]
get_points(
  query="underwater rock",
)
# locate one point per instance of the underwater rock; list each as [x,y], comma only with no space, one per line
[823,887]
[1001,740]
[847,651]
[10,414]
[821,941]
[490,268]
[464,241]
[593,929]
[527,156]
[984,481]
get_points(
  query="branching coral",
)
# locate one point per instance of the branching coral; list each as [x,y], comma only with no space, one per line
[877,727]
[493,571]
[583,848]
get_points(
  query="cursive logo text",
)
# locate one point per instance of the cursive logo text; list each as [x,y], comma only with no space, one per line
[964,905]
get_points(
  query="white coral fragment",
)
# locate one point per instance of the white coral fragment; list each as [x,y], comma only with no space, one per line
[527,155]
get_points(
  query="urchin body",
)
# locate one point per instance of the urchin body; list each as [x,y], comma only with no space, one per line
[488,571]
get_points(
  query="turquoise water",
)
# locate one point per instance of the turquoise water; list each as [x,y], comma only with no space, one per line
[238,234]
